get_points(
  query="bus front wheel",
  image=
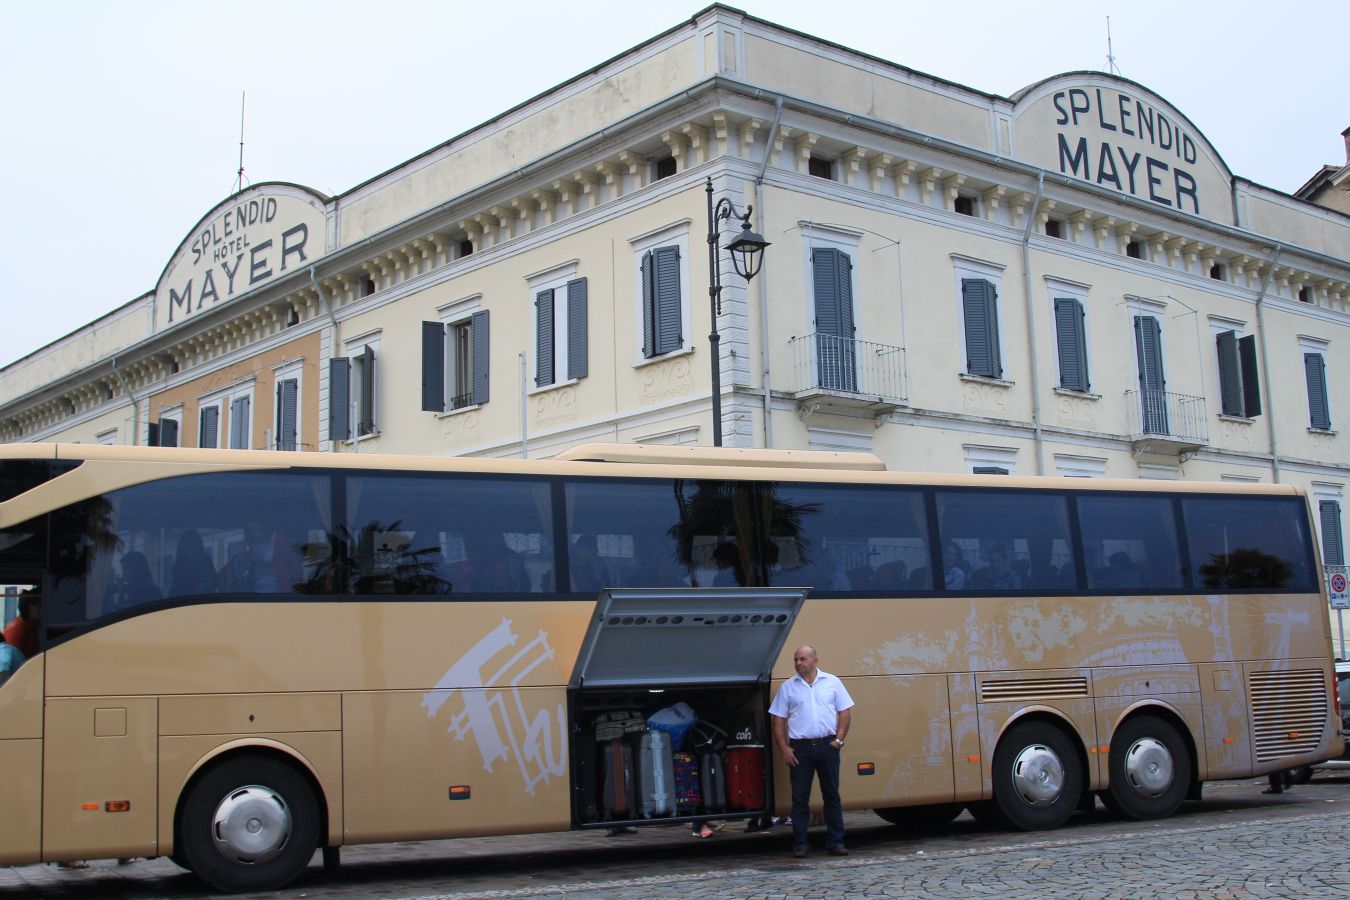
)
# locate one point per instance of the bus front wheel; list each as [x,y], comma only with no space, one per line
[249,824]
[1150,769]
[1038,777]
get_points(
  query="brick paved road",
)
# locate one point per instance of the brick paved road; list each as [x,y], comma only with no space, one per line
[1237,843]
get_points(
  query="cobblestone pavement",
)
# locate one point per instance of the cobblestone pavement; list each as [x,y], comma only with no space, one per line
[1236,843]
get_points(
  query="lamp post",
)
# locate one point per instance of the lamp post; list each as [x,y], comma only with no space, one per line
[747,256]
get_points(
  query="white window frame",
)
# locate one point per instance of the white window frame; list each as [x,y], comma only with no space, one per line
[107,437]
[969,267]
[673,235]
[173,414]
[986,456]
[224,399]
[1325,490]
[1060,288]
[353,349]
[556,280]
[451,316]
[293,369]
[1068,465]
[1322,347]
[846,240]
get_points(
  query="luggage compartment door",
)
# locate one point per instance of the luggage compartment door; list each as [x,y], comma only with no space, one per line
[685,636]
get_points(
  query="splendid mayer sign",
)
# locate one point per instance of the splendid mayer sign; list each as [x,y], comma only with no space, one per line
[1123,140]
[245,242]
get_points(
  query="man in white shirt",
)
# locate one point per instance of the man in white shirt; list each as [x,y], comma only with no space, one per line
[811,716]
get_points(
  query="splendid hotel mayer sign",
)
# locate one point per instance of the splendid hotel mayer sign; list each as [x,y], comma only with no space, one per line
[248,240]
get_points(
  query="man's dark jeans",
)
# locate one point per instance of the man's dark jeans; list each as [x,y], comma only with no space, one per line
[820,760]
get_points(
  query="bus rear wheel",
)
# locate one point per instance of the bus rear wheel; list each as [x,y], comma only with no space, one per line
[1038,777]
[1150,769]
[249,824]
[920,818]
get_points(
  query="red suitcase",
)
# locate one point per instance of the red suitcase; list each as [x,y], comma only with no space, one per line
[745,777]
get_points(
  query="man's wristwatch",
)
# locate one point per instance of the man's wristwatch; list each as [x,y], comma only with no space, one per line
[839,741]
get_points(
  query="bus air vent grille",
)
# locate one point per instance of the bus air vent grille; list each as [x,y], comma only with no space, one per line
[1028,689]
[1289,712]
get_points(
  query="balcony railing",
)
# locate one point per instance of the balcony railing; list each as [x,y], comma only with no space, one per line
[827,364]
[1172,418]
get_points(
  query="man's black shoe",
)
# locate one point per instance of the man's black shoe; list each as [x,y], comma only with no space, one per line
[838,850]
[800,852]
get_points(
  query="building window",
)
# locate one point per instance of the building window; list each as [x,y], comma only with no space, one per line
[982,459]
[1134,249]
[208,426]
[165,432]
[106,438]
[1054,228]
[1333,544]
[1239,386]
[560,332]
[820,168]
[353,383]
[455,363]
[365,287]
[286,412]
[663,168]
[465,249]
[1305,294]
[979,302]
[1218,272]
[832,293]
[1315,375]
[662,313]
[241,423]
[1152,382]
[964,205]
[1071,338]
[226,418]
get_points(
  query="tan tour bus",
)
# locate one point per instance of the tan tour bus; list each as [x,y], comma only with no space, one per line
[238,658]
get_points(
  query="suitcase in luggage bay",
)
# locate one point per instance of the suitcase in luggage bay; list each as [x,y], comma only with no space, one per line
[745,776]
[616,794]
[587,767]
[688,785]
[657,778]
[712,779]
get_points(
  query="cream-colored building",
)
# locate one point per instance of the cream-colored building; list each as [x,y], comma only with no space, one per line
[1065,281]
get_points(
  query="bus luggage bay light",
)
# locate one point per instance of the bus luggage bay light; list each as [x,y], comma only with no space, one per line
[242,657]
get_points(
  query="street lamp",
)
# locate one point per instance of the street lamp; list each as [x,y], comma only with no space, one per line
[747,256]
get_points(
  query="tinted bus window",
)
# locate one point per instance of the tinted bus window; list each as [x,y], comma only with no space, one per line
[235,532]
[659,533]
[23,547]
[857,538]
[1249,542]
[439,534]
[1130,543]
[1005,541]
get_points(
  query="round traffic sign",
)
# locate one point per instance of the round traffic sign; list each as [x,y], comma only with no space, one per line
[1338,583]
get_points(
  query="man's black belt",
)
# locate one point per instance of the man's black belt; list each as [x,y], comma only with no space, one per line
[811,742]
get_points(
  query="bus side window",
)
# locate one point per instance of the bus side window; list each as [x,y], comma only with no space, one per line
[1005,540]
[1130,543]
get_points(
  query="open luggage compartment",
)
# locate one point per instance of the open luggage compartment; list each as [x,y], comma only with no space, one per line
[704,657]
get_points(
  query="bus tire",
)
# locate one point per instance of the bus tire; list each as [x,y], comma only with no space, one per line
[920,818]
[1150,769]
[250,823]
[1038,777]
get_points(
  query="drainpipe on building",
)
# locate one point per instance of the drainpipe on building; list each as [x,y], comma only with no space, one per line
[135,405]
[1265,368]
[764,352]
[1031,327]
[524,407]
[332,318]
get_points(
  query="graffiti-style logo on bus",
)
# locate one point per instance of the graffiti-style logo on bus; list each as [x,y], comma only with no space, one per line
[484,683]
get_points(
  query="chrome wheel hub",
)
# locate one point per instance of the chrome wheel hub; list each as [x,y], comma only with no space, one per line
[1038,775]
[251,825]
[1149,767]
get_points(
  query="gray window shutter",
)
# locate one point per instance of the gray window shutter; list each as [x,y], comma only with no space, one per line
[980,300]
[1315,370]
[648,305]
[152,434]
[209,433]
[239,413]
[666,293]
[543,338]
[989,470]
[577,364]
[1070,335]
[1230,374]
[1251,381]
[832,277]
[433,367]
[478,324]
[1152,384]
[1333,547]
[366,410]
[339,399]
[287,392]
[168,432]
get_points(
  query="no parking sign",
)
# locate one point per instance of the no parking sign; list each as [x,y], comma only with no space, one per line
[1336,590]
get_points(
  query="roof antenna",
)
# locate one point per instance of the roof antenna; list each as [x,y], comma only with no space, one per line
[1110,54]
[239,176]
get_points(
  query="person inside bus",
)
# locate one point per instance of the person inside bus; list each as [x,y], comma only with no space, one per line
[22,631]
[953,567]
[264,565]
[892,576]
[490,565]
[193,572]
[137,585]
[998,575]
[1121,573]
[10,659]
[584,564]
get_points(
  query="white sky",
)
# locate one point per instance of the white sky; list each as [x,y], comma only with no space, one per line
[122,119]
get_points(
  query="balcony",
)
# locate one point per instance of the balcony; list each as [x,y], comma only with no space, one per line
[840,375]
[1164,422]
